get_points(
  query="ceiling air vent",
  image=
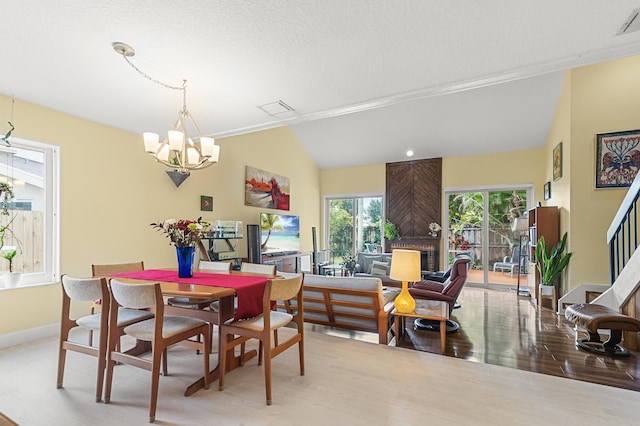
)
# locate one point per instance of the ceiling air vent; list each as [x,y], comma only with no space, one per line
[278,109]
[632,23]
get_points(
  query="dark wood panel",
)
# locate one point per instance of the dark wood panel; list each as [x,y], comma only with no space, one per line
[414,195]
[399,198]
[427,196]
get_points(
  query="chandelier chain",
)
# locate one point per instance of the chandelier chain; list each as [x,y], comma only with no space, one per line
[148,77]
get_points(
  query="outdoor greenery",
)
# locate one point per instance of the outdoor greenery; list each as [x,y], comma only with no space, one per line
[466,211]
[341,226]
[391,231]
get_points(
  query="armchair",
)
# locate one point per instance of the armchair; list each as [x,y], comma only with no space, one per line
[447,291]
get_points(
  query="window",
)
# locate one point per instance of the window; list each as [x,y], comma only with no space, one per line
[353,224]
[32,169]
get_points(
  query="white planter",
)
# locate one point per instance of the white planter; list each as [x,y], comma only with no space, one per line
[546,290]
[11,279]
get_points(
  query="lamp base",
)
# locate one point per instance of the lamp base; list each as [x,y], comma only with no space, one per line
[404,302]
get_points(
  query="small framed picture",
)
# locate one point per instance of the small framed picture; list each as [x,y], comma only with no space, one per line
[206,203]
[557,162]
[547,190]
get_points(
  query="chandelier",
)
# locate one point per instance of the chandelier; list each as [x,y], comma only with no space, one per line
[178,150]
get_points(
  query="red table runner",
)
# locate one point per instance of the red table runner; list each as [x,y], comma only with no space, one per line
[249,289]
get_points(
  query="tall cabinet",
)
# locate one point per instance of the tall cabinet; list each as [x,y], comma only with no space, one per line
[543,221]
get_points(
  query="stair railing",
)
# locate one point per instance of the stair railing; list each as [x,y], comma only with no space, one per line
[622,236]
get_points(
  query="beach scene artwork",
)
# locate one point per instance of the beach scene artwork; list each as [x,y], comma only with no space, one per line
[280,233]
[265,189]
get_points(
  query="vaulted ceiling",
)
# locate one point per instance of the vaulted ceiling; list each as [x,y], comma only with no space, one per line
[367,79]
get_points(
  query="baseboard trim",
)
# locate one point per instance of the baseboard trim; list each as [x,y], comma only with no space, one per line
[27,336]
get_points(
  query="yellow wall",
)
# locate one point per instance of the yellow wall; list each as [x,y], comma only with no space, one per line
[561,188]
[604,98]
[112,190]
[369,180]
[505,168]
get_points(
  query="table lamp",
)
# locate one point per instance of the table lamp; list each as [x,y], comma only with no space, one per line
[405,267]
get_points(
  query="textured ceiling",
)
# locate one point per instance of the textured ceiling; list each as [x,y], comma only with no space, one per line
[368,78]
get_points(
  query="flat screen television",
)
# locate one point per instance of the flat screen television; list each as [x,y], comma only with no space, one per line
[280,233]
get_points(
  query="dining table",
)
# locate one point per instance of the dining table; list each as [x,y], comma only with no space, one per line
[211,285]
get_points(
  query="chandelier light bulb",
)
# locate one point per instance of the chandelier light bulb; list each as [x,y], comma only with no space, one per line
[151,142]
[163,154]
[215,155]
[176,140]
[192,156]
[206,146]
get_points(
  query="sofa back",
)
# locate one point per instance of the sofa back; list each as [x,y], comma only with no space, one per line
[365,260]
[356,303]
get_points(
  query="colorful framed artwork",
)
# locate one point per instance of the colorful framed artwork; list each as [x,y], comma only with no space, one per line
[617,158]
[266,190]
[547,190]
[557,162]
[206,203]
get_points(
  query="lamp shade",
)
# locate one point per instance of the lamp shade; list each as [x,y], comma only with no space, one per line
[176,140]
[405,265]
[206,146]
[151,142]
[520,224]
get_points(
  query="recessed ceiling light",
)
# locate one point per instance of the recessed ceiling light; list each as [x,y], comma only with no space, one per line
[409,153]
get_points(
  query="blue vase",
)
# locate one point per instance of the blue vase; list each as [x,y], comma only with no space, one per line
[185,261]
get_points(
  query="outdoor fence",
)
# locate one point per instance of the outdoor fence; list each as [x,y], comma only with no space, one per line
[29,230]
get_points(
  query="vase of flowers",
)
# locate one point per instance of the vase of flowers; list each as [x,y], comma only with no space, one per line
[434,228]
[184,234]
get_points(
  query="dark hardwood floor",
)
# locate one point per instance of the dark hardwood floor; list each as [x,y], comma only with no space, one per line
[499,328]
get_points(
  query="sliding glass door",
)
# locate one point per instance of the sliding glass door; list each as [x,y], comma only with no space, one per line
[480,224]
[353,224]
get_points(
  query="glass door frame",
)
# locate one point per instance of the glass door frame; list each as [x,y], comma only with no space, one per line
[325,218]
[485,190]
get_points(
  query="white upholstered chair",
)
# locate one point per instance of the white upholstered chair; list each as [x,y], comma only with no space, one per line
[84,290]
[161,331]
[261,326]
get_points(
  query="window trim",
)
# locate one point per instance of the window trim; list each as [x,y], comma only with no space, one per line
[51,217]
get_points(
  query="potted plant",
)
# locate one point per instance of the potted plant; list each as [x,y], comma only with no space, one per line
[349,263]
[390,230]
[551,264]
[8,252]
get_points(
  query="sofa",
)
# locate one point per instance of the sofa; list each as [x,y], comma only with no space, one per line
[376,265]
[353,303]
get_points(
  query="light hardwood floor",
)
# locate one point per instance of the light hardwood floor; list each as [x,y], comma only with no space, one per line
[347,382]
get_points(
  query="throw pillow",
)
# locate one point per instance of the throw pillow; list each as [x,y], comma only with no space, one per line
[379,268]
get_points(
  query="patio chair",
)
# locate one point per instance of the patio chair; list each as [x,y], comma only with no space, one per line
[509,263]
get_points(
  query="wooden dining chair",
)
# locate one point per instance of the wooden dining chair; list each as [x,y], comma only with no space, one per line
[114,268]
[90,289]
[193,303]
[258,268]
[160,331]
[260,327]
